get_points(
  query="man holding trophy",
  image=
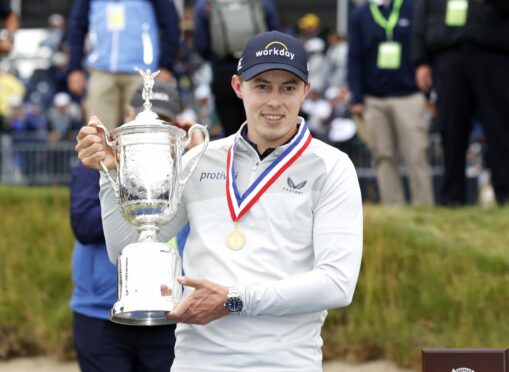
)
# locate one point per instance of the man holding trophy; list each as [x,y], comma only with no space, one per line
[275,227]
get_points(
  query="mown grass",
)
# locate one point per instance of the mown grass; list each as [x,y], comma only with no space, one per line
[429,278]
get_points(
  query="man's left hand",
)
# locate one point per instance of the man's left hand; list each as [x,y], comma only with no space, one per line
[203,305]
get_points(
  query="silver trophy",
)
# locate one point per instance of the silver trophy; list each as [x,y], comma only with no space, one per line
[149,184]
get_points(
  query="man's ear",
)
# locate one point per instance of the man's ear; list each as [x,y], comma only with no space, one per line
[307,89]
[236,85]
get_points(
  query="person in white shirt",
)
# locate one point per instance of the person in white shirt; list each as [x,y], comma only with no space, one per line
[276,226]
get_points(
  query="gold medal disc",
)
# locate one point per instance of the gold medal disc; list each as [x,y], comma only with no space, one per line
[236,240]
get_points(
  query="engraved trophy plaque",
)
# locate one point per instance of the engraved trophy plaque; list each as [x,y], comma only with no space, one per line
[148,187]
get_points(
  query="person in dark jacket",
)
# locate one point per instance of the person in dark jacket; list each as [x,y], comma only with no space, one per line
[381,79]
[229,108]
[100,344]
[461,49]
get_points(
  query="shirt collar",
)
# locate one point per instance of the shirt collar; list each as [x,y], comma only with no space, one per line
[243,133]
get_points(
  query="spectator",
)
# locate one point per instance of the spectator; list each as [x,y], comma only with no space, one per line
[381,78]
[15,118]
[56,33]
[45,83]
[25,122]
[315,48]
[228,106]
[166,103]
[339,99]
[123,35]
[463,52]
[309,27]
[206,112]
[335,60]
[64,118]
[10,86]
[343,132]
[100,344]
[317,111]
[11,25]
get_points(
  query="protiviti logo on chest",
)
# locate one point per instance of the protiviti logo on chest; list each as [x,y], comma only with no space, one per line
[275,48]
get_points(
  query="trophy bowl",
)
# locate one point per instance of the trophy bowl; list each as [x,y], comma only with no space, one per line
[148,187]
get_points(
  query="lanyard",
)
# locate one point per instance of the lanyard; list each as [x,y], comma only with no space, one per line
[387,24]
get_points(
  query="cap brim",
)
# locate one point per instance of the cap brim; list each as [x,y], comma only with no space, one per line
[263,67]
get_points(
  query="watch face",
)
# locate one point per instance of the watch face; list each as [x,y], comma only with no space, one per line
[234,304]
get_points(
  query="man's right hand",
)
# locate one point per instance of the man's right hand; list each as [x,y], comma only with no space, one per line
[92,147]
[423,78]
[77,82]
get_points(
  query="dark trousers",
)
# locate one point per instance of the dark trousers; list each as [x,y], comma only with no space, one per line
[470,83]
[104,346]
[230,108]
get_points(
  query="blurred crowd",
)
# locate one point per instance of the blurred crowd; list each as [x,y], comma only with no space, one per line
[45,108]
[40,107]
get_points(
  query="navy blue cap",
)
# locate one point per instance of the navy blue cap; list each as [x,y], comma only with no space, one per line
[273,50]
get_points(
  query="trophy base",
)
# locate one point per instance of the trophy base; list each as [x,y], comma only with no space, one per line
[142,268]
[131,314]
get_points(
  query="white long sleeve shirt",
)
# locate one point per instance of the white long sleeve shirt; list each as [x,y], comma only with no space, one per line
[302,256]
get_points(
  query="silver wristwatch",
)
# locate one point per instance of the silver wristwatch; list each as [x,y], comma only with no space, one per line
[233,301]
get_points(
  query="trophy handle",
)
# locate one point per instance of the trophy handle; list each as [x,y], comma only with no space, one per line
[203,129]
[111,143]
[107,135]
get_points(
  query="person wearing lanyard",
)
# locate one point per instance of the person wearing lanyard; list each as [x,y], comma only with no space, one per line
[275,226]
[461,50]
[384,93]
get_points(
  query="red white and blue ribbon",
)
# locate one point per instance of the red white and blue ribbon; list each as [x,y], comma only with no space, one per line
[240,204]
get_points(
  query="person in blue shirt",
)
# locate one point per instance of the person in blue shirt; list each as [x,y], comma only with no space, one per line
[123,35]
[384,93]
[102,345]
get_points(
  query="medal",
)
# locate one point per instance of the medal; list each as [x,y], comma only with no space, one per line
[236,240]
[240,204]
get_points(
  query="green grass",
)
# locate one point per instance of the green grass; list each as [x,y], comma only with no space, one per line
[429,278]
[35,251]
